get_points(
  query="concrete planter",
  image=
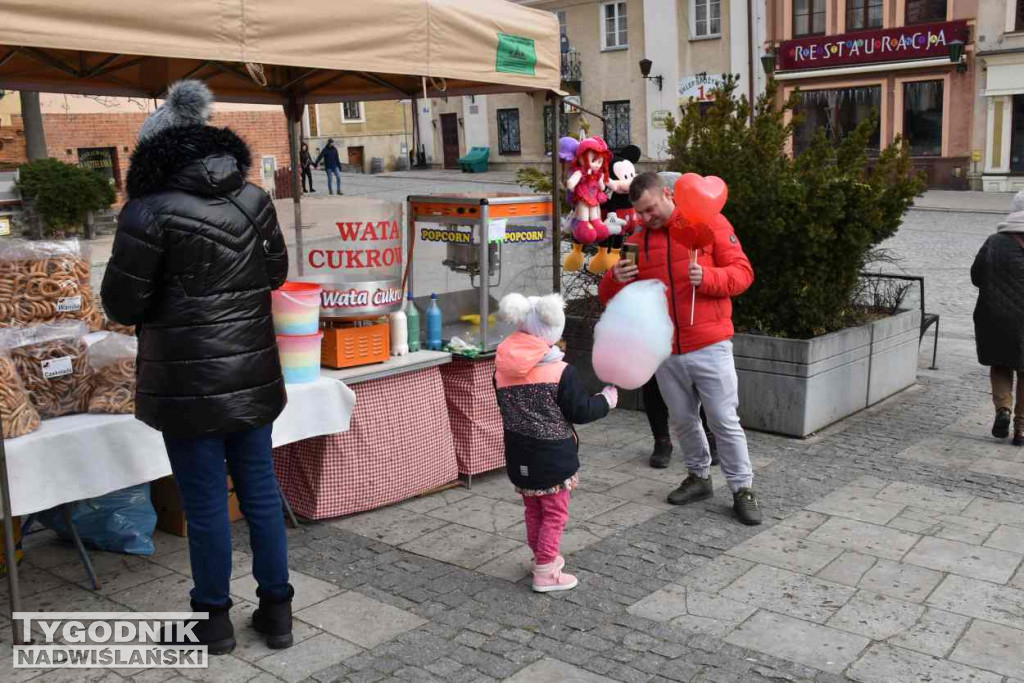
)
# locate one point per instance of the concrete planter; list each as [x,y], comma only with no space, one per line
[797,387]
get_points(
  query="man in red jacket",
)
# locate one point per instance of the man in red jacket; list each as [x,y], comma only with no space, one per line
[701,370]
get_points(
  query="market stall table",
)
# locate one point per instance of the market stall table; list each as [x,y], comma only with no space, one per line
[84,456]
[474,415]
[399,445]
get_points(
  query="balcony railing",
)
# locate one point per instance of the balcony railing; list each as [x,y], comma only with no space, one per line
[572,72]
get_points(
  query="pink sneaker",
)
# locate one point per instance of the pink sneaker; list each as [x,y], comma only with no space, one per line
[549,577]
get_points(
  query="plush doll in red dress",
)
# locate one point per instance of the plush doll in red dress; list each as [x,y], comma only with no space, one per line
[587,185]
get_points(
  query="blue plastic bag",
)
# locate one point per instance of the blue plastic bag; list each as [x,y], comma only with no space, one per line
[120,522]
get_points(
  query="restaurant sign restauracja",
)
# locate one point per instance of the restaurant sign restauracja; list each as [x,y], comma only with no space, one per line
[923,41]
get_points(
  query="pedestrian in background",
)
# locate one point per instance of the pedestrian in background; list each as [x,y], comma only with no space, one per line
[197,252]
[998,273]
[332,164]
[306,163]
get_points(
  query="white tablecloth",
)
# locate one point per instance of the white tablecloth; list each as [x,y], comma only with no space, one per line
[84,456]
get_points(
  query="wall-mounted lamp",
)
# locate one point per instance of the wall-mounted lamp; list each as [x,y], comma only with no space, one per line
[768,62]
[461,121]
[956,55]
[645,71]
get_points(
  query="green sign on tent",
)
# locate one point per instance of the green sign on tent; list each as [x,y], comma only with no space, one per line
[516,55]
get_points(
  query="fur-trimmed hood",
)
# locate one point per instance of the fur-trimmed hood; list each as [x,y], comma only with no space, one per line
[162,161]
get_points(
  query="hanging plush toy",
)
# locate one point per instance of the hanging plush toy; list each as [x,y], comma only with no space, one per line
[588,184]
[618,210]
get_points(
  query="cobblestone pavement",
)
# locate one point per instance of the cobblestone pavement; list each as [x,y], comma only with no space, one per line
[891,551]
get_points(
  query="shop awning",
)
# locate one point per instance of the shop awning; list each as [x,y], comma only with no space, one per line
[269,51]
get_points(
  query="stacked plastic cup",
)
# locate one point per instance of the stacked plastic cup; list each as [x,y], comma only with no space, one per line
[296,311]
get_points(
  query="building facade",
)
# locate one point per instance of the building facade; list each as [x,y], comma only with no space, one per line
[362,131]
[999,117]
[101,133]
[850,58]
[690,44]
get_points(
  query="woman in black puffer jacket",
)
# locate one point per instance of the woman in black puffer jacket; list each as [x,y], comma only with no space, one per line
[197,252]
[998,273]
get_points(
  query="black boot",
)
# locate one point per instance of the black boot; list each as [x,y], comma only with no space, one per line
[215,632]
[273,619]
[662,454]
[1001,426]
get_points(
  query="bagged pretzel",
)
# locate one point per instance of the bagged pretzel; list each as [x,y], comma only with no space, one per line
[19,415]
[53,365]
[118,328]
[113,362]
[45,282]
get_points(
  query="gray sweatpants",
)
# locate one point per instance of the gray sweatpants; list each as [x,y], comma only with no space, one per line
[707,377]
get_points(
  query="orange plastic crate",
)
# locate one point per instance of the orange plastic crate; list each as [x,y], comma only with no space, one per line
[346,346]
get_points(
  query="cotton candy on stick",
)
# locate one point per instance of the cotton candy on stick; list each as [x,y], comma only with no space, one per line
[634,335]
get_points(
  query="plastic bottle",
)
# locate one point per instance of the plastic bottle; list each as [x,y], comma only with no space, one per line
[399,334]
[434,325]
[412,321]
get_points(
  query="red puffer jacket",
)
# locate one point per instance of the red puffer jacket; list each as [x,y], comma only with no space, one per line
[727,273]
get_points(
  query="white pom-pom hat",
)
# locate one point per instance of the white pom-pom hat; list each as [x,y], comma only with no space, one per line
[541,316]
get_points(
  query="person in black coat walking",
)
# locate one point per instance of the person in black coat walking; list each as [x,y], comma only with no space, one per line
[998,273]
[197,252]
[306,163]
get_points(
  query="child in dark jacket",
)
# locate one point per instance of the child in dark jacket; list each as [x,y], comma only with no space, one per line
[541,398]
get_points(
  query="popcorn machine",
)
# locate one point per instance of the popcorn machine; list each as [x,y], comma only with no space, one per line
[479,236]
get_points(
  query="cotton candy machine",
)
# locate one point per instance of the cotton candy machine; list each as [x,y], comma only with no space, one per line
[480,233]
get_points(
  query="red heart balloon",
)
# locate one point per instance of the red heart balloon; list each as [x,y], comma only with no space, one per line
[694,235]
[698,198]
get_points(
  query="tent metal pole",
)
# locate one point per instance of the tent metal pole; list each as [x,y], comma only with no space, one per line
[556,196]
[10,552]
[294,112]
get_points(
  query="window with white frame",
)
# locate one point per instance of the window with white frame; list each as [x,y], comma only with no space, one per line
[706,17]
[614,26]
[352,112]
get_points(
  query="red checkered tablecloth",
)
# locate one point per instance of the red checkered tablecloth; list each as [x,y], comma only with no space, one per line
[474,415]
[399,445]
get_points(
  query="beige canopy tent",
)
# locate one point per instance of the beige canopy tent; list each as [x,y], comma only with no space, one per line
[316,50]
[276,52]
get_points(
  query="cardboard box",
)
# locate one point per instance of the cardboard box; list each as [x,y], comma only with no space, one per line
[170,513]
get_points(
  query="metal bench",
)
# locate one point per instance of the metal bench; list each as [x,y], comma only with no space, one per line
[927,319]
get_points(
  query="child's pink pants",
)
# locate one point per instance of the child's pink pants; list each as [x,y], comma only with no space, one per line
[545,519]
